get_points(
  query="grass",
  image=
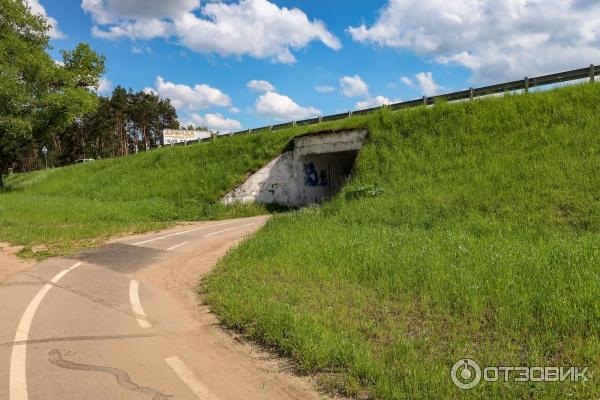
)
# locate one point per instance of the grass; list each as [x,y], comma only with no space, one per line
[60,211]
[466,230]
[66,209]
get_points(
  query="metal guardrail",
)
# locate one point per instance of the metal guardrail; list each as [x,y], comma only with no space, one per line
[469,94]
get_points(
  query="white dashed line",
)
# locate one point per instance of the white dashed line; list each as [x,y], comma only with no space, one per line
[187,376]
[136,305]
[18,374]
[227,230]
[177,246]
[182,233]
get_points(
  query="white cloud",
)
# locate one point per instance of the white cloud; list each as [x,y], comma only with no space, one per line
[184,97]
[114,11]
[325,89]
[424,82]
[141,49]
[138,29]
[257,28]
[278,106]
[105,86]
[39,9]
[495,39]
[377,101]
[407,81]
[260,86]
[353,86]
[234,110]
[216,122]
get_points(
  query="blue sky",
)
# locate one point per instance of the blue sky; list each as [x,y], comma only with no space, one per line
[360,53]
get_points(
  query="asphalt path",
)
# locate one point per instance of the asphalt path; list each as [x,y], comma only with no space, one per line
[122,322]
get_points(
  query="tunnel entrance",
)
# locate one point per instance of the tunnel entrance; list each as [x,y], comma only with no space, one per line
[325,174]
[313,172]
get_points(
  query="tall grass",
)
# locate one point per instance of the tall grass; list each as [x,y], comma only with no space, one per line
[466,230]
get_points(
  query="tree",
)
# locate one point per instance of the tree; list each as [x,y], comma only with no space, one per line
[26,70]
[39,98]
[119,103]
[121,123]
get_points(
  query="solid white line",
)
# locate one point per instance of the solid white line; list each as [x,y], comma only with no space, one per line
[187,376]
[227,230]
[177,246]
[182,233]
[18,374]
[136,305]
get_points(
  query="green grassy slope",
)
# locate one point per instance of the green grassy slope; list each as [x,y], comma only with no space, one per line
[67,208]
[467,230]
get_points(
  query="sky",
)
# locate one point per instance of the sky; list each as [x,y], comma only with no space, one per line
[238,64]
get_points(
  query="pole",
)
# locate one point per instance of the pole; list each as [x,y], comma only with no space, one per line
[592,73]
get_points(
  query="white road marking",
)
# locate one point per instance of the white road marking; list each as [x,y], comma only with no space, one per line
[136,305]
[227,230]
[177,246]
[18,374]
[182,233]
[187,376]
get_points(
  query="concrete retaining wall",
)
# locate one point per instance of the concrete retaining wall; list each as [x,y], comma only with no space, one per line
[313,172]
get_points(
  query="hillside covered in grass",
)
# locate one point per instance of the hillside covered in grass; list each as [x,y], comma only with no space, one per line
[67,208]
[466,230]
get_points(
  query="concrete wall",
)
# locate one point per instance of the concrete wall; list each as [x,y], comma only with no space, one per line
[313,172]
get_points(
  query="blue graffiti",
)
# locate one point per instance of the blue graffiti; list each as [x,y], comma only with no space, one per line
[312,178]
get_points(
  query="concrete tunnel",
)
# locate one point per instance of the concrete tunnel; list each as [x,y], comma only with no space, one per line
[313,172]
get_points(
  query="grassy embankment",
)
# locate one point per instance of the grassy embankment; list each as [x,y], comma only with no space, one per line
[65,209]
[467,230]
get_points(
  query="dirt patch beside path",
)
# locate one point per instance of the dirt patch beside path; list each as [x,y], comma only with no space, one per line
[10,264]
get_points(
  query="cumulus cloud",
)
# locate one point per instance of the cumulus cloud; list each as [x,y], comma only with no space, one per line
[260,86]
[39,9]
[281,107]
[377,101]
[423,82]
[495,39]
[353,86]
[325,89]
[139,29]
[105,86]
[149,90]
[257,28]
[113,11]
[216,122]
[184,97]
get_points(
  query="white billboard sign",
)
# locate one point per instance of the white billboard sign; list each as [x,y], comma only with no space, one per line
[174,136]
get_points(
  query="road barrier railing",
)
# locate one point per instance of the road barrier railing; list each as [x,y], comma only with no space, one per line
[469,94]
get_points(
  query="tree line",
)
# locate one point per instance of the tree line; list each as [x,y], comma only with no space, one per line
[53,104]
[123,124]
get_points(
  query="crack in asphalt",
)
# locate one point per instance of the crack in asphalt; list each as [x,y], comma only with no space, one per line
[11,284]
[123,379]
[79,339]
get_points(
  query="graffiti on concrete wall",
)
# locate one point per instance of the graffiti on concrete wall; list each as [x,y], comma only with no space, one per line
[313,178]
